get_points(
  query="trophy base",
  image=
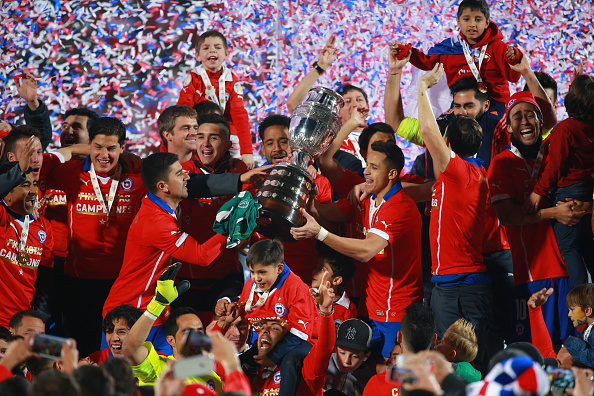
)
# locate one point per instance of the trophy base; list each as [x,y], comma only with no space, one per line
[280,228]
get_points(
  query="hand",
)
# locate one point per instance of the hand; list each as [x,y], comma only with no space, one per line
[510,53]
[248,160]
[532,203]
[255,174]
[579,206]
[5,126]
[584,382]
[28,89]
[358,117]
[325,296]
[167,384]
[17,352]
[264,361]
[26,155]
[577,71]
[232,313]
[312,172]
[566,214]
[310,229]
[222,307]
[540,297]
[224,352]
[396,65]
[328,54]
[430,78]
[523,66]
[69,361]
[357,194]
[441,367]
[426,380]
[166,291]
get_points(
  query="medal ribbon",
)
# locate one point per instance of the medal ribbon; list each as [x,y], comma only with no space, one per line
[24,235]
[210,91]
[470,61]
[537,162]
[112,191]
[261,300]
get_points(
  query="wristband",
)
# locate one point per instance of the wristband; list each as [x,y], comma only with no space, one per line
[318,68]
[155,308]
[326,315]
[150,315]
[322,234]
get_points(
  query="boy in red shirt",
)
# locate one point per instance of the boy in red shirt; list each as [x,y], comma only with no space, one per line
[213,81]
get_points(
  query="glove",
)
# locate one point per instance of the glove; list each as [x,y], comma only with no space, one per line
[166,292]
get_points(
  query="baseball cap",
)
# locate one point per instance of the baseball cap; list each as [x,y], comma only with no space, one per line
[519,97]
[354,334]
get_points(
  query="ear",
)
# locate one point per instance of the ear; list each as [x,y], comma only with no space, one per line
[452,355]
[588,311]
[228,145]
[447,142]
[280,268]
[509,129]
[367,356]
[434,339]
[11,157]
[162,185]
[171,341]
[399,338]
[393,174]
[167,135]
[363,153]
[486,105]
[337,280]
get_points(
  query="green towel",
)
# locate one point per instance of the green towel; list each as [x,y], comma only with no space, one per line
[467,373]
[237,218]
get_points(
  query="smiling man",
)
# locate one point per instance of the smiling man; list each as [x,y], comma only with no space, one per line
[177,127]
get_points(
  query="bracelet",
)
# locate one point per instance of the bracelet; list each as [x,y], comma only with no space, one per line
[394,74]
[326,315]
[322,234]
[318,68]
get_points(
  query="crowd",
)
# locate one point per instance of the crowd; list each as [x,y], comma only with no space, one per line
[469,275]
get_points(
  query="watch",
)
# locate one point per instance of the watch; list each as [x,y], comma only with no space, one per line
[318,68]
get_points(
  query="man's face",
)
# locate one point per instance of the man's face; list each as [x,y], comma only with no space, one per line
[212,144]
[74,130]
[524,123]
[22,198]
[552,94]
[116,337]
[264,276]
[29,325]
[276,144]
[238,333]
[377,174]
[472,24]
[466,104]
[212,53]
[105,153]
[319,273]
[36,158]
[183,136]
[3,346]
[394,353]
[349,360]
[185,323]
[564,359]
[270,334]
[177,182]
[352,99]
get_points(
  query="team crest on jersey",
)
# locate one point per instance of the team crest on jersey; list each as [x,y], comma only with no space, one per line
[188,80]
[511,103]
[42,236]
[127,184]
[280,309]
[238,89]
[210,383]
[337,323]
[243,204]
[277,378]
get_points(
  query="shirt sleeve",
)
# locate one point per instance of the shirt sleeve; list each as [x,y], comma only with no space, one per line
[47,256]
[500,184]
[188,94]
[239,117]
[149,370]
[347,181]
[40,120]
[422,61]
[347,209]
[558,154]
[540,335]
[324,189]
[237,381]
[391,224]
[316,362]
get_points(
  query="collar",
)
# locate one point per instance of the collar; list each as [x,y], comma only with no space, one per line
[344,301]
[474,160]
[160,203]
[222,167]
[229,76]
[391,192]
[527,151]
[17,216]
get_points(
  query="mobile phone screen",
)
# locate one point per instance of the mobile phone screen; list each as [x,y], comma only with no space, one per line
[563,378]
[48,346]
[194,366]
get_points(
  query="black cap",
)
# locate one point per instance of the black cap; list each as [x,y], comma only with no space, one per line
[354,334]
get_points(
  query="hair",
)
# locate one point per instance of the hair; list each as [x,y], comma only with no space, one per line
[17,318]
[349,87]
[83,111]
[155,168]
[480,5]
[341,265]
[210,33]
[37,365]
[166,121]
[581,296]
[465,135]
[462,339]
[579,101]
[108,126]
[55,383]
[5,334]
[546,81]
[121,372]
[94,381]
[266,252]
[171,326]
[371,130]
[272,120]
[217,120]
[15,386]
[127,312]
[207,107]
[469,84]
[418,327]
[18,133]
[394,156]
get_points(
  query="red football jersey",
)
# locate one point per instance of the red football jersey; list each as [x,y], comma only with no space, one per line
[155,237]
[394,275]
[535,252]
[56,211]
[457,223]
[17,281]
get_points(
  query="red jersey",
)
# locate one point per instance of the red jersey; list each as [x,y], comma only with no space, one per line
[99,356]
[535,252]
[495,70]
[571,156]
[56,211]
[457,224]
[235,112]
[317,360]
[394,275]
[153,238]
[347,181]
[287,301]
[266,382]
[344,309]
[378,385]
[17,281]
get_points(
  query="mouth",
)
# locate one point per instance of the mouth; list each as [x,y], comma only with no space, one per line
[35,171]
[527,133]
[264,344]
[103,162]
[212,58]
[30,202]
[261,286]
[116,348]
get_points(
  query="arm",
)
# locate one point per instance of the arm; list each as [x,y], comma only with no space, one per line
[540,335]
[430,133]
[36,112]
[327,56]
[206,186]
[241,122]
[392,97]
[16,175]
[419,192]
[75,151]
[510,213]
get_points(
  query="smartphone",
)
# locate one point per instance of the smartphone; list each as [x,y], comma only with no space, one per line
[195,343]
[193,366]
[48,346]
[563,378]
[401,375]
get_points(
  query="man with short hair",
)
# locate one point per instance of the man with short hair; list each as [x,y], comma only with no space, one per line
[24,323]
[177,128]
[15,143]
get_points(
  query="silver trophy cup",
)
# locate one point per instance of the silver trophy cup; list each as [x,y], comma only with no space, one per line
[289,187]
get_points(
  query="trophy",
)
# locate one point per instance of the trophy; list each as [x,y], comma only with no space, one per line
[289,187]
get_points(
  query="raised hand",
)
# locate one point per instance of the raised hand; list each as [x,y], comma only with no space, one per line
[540,297]
[395,65]
[431,78]
[328,54]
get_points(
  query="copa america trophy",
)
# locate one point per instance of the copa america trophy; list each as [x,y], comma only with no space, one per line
[288,188]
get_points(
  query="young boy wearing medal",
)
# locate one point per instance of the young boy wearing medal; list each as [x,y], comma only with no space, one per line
[213,81]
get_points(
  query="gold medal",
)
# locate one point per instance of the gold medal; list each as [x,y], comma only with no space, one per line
[482,87]
[23,258]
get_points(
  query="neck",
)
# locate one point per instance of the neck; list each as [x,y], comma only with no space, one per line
[184,155]
[172,202]
[214,71]
[380,195]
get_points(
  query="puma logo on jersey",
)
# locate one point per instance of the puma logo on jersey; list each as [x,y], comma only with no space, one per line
[84,181]
[304,323]
[498,185]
